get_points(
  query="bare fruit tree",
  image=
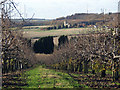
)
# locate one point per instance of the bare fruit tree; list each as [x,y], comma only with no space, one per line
[16,51]
[95,51]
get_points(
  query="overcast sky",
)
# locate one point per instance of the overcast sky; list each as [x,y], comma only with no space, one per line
[51,9]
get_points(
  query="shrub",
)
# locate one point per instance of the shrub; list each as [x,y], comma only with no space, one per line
[59,27]
[54,27]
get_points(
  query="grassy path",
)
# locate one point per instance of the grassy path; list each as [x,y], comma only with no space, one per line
[46,78]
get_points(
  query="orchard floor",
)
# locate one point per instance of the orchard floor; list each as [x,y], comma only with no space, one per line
[41,77]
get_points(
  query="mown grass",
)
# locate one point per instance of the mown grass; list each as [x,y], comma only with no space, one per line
[46,78]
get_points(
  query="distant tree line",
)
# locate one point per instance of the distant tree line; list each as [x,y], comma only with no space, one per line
[75,25]
[64,27]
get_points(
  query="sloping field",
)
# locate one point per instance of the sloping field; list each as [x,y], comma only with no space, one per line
[32,33]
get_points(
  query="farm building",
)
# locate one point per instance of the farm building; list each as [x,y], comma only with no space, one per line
[66,24]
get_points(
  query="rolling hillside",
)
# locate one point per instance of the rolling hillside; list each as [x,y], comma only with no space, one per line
[108,19]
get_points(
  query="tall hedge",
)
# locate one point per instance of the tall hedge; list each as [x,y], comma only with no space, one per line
[44,45]
[62,40]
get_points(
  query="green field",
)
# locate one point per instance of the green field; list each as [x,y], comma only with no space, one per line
[33,32]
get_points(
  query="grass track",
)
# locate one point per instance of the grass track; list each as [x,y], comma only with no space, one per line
[46,78]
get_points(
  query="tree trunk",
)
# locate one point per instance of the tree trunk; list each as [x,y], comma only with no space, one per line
[85,66]
[92,67]
[9,65]
[113,70]
[20,66]
[12,67]
[116,72]
[93,71]
[5,67]
[80,67]
[15,65]
[68,67]
[75,67]
[103,73]
[72,67]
